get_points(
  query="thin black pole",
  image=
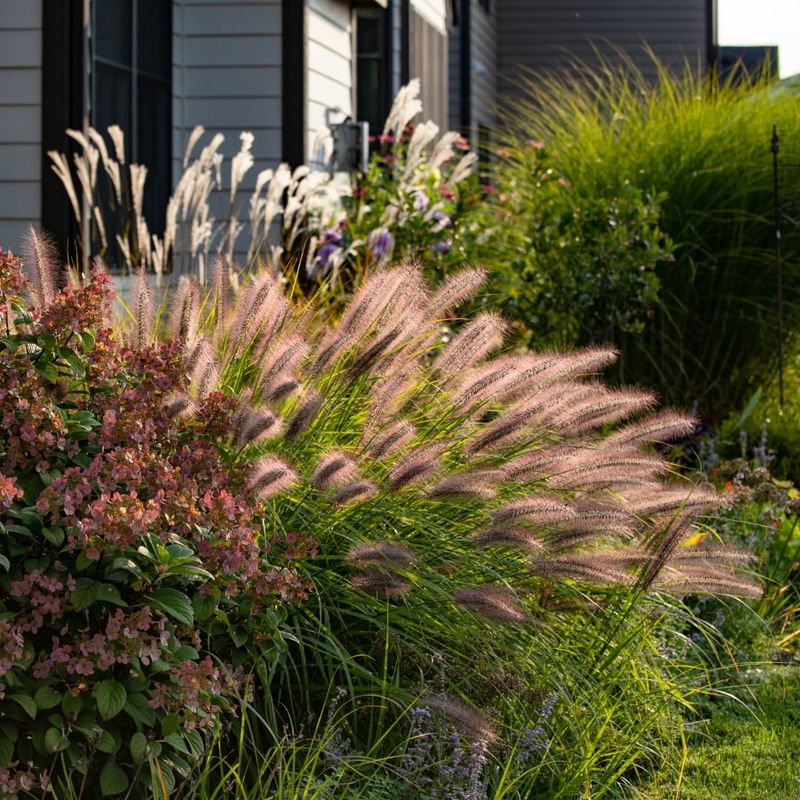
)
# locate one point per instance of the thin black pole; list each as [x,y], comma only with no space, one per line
[776,147]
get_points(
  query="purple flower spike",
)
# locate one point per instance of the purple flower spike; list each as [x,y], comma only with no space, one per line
[441,247]
[381,243]
[442,220]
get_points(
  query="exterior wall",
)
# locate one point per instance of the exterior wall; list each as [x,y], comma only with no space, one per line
[329,56]
[484,66]
[226,76]
[482,59]
[428,62]
[549,34]
[20,118]
[434,12]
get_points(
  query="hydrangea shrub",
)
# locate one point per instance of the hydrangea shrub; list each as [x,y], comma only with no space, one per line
[138,585]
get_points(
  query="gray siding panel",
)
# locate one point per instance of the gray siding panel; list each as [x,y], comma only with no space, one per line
[21,162]
[230,19]
[21,125]
[16,15]
[428,62]
[483,70]
[20,118]
[549,34]
[222,81]
[227,78]
[483,65]
[224,111]
[19,200]
[245,50]
[21,86]
[20,48]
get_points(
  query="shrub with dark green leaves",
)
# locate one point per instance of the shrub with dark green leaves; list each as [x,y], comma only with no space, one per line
[571,267]
[704,151]
[138,587]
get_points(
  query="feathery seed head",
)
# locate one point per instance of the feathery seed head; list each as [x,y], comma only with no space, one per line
[334,468]
[381,554]
[270,477]
[492,602]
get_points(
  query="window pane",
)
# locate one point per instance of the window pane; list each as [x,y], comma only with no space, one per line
[154,148]
[112,97]
[370,103]
[369,34]
[112,22]
[153,37]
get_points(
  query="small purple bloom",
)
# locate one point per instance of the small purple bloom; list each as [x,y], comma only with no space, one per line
[381,243]
[442,220]
[421,201]
[535,739]
[331,236]
[441,247]
[326,253]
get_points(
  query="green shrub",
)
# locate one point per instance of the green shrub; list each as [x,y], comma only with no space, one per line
[138,591]
[704,151]
[570,267]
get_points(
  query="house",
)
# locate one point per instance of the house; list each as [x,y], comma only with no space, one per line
[495,44]
[279,68]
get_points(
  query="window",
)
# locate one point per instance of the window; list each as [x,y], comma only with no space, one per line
[484,4]
[371,100]
[131,63]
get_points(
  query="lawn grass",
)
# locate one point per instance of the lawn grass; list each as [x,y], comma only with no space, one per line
[746,748]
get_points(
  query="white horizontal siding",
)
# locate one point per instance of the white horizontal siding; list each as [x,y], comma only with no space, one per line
[329,65]
[20,118]
[433,11]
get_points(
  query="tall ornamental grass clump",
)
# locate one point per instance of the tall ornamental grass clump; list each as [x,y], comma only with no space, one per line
[482,522]
[485,538]
[702,149]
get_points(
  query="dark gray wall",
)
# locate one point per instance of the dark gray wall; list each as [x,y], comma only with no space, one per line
[482,60]
[545,35]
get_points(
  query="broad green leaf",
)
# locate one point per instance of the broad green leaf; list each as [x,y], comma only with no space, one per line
[6,751]
[71,704]
[5,563]
[138,709]
[54,535]
[138,747]
[75,362]
[203,606]
[87,340]
[28,704]
[113,779]
[176,740]
[110,697]
[85,593]
[109,593]
[170,724]
[54,740]
[107,743]
[47,697]
[174,603]
[186,652]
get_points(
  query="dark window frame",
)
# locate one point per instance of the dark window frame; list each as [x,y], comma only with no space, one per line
[381,56]
[159,184]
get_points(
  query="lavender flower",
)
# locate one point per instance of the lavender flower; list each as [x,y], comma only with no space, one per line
[441,247]
[441,219]
[535,739]
[380,243]
[420,201]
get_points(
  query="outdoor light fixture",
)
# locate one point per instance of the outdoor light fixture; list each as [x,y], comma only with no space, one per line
[350,146]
